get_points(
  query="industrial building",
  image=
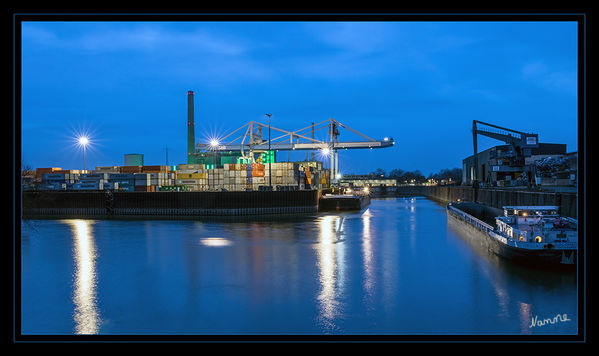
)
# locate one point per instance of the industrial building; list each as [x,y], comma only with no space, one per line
[522,161]
[500,166]
[366,181]
[134,159]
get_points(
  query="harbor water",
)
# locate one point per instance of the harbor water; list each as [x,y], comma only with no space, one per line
[399,267]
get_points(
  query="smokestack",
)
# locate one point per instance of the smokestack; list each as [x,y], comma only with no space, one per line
[190,129]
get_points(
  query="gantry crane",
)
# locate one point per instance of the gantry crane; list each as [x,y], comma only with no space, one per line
[251,141]
[520,142]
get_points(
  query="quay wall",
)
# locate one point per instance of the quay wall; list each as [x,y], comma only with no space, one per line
[102,204]
[496,198]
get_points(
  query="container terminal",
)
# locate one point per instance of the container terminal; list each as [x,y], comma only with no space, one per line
[245,160]
[242,161]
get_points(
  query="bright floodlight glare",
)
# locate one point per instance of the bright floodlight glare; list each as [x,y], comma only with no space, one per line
[214,143]
[325,151]
[338,176]
[83,140]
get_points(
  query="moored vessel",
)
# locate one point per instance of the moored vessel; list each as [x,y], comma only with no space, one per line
[529,234]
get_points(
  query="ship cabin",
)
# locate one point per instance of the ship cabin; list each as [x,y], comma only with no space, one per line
[527,223]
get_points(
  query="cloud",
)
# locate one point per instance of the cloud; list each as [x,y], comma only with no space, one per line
[542,75]
[137,37]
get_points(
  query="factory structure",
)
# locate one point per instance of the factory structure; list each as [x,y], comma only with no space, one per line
[245,163]
[521,161]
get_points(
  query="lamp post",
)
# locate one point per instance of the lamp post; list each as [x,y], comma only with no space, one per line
[268,155]
[83,141]
[213,144]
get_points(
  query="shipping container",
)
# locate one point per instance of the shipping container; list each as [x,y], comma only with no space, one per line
[39,172]
[155,169]
[108,169]
[130,169]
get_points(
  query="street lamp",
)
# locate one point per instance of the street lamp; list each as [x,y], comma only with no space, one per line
[213,143]
[83,141]
[268,155]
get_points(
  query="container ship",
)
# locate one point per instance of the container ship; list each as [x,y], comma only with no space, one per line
[535,235]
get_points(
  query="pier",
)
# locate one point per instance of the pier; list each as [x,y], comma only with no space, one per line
[102,204]
[496,198]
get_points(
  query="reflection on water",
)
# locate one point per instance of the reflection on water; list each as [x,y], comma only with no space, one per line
[517,287]
[398,267]
[330,264]
[87,319]
[367,253]
[215,242]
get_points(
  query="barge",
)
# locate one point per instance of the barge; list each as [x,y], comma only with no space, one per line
[529,234]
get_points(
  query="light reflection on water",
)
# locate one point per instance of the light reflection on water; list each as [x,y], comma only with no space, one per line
[329,250]
[86,316]
[369,276]
[397,267]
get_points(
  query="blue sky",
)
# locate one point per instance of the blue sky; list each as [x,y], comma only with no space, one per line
[421,83]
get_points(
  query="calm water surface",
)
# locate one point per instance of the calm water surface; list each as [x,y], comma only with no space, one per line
[398,267]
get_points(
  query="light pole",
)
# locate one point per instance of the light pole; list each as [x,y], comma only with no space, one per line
[213,144]
[268,155]
[83,141]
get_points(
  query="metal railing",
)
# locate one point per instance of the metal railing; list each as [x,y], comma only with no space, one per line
[481,225]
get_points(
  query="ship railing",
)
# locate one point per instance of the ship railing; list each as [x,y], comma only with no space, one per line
[481,225]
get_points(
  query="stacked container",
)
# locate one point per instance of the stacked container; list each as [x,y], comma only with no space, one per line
[122,181]
[108,169]
[130,169]
[39,172]
[192,176]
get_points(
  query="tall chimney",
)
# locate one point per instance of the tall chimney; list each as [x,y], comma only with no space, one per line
[190,129]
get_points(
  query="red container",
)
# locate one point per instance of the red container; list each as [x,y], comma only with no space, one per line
[258,173]
[154,169]
[130,169]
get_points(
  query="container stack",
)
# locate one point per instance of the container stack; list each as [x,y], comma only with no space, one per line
[53,181]
[130,169]
[284,174]
[153,179]
[107,169]
[122,181]
[192,176]
[242,176]
[216,179]
[314,175]
[90,181]
[39,172]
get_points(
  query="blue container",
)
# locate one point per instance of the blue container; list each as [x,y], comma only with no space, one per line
[122,182]
[119,176]
[54,177]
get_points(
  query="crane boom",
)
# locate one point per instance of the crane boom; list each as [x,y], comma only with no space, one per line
[521,142]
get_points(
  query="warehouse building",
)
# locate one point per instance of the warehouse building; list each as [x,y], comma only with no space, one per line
[503,166]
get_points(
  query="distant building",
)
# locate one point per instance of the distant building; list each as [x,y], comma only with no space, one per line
[366,181]
[134,159]
[503,166]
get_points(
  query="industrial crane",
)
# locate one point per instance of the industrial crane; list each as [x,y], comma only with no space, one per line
[250,140]
[520,142]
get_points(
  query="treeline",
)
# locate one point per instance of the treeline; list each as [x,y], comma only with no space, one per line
[455,174]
